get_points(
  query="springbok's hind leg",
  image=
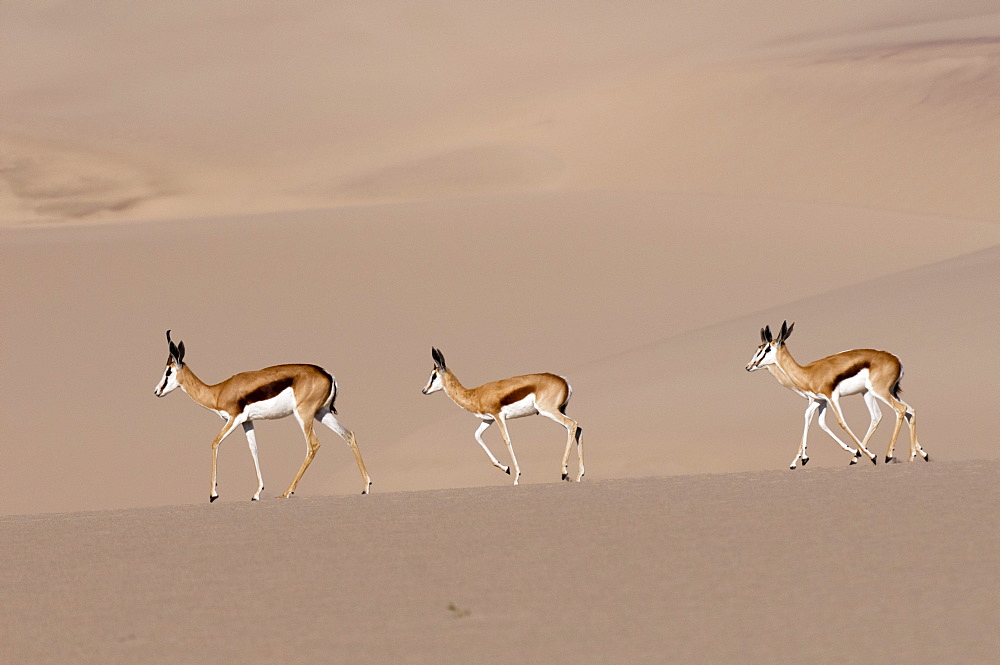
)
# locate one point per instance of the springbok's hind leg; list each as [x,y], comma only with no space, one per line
[312,445]
[326,417]
[573,433]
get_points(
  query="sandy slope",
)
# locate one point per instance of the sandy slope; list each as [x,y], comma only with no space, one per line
[558,287]
[870,565]
[623,194]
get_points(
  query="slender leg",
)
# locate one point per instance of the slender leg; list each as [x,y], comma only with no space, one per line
[876,418]
[904,410]
[252,442]
[801,454]
[226,431]
[835,405]
[312,445]
[822,423]
[483,426]
[573,432]
[326,417]
[506,439]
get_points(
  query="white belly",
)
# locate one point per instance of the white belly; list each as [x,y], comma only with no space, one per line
[283,404]
[854,385]
[521,408]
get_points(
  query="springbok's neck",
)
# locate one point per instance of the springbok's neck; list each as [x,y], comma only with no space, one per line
[198,390]
[458,393]
[791,370]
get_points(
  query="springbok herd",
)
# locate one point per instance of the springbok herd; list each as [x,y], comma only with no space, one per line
[308,392]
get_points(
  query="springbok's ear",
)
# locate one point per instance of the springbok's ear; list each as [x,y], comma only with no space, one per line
[173,351]
[788,333]
[763,338]
[438,358]
[180,354]
[766,333]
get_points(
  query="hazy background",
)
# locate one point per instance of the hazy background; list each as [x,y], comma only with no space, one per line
[620,194]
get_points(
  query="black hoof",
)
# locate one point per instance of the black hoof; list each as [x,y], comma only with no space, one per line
[875,461]
[508,471]
[253,498]
[805,460]
[565,476]
[212,498]
[888,459]
[927,458]
[853,461]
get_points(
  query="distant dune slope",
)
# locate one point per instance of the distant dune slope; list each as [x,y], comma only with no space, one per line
[149,112]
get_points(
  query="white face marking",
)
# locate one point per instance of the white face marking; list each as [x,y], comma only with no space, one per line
[434,384]
[766,355]
[168,381]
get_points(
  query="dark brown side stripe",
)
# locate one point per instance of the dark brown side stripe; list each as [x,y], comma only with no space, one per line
[517,395]
[851,371]
[267,391]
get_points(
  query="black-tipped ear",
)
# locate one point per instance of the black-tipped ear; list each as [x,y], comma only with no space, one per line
[766,334]
[763,337]
[180,353]
[438,358]
[173,350]
[788,333]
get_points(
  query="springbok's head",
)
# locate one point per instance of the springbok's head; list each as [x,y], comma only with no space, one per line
[768,349]
[435,383]
[175,361]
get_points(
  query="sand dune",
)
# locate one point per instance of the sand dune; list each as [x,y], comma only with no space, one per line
[864,565]
[620,194]
[557,287]
[147,113]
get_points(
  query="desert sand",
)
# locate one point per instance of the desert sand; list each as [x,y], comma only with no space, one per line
[621,195]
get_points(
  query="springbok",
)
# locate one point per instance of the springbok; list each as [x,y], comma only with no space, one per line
[873,374]
[516,397]
[307,391]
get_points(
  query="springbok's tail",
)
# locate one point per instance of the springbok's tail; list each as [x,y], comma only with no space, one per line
[897,387]
[569,394]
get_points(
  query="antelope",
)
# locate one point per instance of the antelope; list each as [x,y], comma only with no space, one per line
[307,391]
[516,397]
[873,374]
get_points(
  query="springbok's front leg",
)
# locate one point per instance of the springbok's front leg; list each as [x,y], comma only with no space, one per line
[506,439]
[835,405]
[801,453]
[483,426]
[252,442]
[226,431]
[855,454]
